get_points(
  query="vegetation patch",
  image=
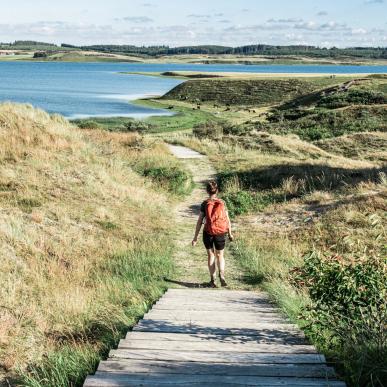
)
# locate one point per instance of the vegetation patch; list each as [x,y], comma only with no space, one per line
[239,92]
[78,267]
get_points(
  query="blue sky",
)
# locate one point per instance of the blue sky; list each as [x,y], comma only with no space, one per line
[326,23]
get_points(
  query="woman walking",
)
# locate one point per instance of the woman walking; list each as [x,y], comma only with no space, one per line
[217,227]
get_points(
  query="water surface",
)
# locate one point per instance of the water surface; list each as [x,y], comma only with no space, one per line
[98,89]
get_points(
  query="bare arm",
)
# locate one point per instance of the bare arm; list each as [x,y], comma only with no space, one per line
[198,227]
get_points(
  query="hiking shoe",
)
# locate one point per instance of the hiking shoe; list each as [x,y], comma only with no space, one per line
[223,282]
[212,284]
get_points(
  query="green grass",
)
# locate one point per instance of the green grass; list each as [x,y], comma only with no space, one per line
[135,280]
[183,119]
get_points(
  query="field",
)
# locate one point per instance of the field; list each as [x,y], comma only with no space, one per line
[305,181]
[302,166]
[68,53]
[77,266]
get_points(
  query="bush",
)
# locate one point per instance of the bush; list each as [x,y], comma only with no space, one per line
[40,54]
[172,178]
[138,126]
[243,129]
[349,305]
[88,124]
[208,129]
[352,97]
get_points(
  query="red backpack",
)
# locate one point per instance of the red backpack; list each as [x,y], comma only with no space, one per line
[216,217]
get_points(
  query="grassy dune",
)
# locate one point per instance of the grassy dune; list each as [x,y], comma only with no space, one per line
[306,185]
[310,230]
[78,266]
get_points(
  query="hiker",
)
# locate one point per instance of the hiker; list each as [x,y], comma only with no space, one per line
[217,226]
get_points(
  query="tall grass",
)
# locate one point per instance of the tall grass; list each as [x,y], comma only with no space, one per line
[338,297]
[78,266]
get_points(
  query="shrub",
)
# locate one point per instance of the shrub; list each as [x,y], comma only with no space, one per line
[243,129]
[349,306]
[208,129]
[88,124]
[176,180]
[138,126]
[352,97]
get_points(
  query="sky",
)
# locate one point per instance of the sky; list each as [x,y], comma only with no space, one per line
[340,23]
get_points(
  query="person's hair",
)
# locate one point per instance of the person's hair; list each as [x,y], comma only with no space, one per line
[212,187]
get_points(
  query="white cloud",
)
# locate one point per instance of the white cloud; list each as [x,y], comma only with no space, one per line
[198,16]
[142,33]
[374,2]
[358,31]
[289,20]
[138,19]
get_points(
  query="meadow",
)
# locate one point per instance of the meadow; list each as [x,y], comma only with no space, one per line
[309,204]
[303,172]
[78,266]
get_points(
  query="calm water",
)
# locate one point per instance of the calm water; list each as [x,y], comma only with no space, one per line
[98,89]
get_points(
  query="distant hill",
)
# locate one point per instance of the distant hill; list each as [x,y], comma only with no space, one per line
[254,49]
[257,49]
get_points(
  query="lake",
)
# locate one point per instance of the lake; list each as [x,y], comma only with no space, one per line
[78,90]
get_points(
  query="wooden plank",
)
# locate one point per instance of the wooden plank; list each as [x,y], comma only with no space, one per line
[260,332]
[215,346]
[214,307]
[203,323]
[229,299]
[231,327]
[215,293]
[296,338]
[212,316]
[225,312]
[216,357]
[221,300]
[290,370]
[104,379]
[212,319]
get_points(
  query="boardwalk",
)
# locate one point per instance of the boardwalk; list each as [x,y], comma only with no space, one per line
[200,337]
[197,337]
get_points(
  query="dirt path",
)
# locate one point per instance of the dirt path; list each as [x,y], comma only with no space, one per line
[192,261]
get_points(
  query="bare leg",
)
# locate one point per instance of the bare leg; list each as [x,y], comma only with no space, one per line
[221,262]
[211,263]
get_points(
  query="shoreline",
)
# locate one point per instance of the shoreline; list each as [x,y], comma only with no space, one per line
[190,75]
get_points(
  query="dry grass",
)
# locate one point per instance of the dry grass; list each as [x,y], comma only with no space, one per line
[70,202]
[295,205]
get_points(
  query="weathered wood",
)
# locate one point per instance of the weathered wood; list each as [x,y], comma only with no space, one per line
[220,337]
[232,327]
[295,338]
[214,306]
[199,368]
[215,346]
[216,357]
[214,316]
[105,379]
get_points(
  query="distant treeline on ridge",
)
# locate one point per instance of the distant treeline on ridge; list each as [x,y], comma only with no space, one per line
[254,49]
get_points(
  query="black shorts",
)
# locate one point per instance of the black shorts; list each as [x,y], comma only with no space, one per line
[211,241]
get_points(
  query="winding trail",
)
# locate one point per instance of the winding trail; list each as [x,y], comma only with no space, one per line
[192,262]
[200,337]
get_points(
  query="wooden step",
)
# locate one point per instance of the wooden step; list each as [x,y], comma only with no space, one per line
[297,337]
[215,346]
[216,356]
[107,379]
[199,337]
[201,368]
